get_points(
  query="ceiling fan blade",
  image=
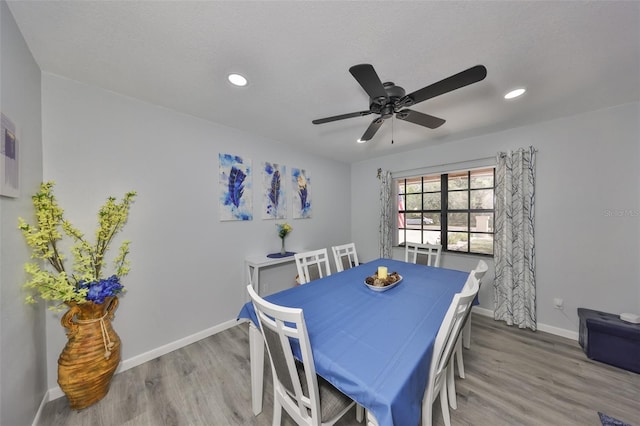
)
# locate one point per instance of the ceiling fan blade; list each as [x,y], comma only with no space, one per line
[419,118]
[369,80]
[341,117]
[372,129]
[463,78]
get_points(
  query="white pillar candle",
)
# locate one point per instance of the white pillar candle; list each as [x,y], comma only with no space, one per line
[382,272]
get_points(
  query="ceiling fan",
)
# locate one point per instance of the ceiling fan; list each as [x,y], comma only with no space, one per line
[387,99]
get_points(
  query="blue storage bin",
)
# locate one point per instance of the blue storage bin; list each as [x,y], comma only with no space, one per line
[606,338]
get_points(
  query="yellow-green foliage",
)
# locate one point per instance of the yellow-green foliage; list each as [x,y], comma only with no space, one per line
[54,282]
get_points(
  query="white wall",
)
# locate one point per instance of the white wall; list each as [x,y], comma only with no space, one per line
[587,208]
[22,338]
[187,266]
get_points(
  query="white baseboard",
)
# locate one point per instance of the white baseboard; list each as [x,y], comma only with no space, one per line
[56,392]
[573,335]
[541,327]
[482,311]
[170,347]
[45,399]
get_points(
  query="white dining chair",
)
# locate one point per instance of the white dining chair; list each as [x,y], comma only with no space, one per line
[414,251]
[345,256]
[312,265]
[480,271]
[308,398]
[475,275]
[440,368]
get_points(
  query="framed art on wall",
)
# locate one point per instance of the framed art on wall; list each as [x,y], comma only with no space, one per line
[235,188]
[301,183]
[274,201]
[9,164]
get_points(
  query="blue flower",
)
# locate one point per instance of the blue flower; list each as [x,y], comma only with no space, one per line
[102,289]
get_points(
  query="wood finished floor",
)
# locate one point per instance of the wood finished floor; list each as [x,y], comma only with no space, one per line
[514,377]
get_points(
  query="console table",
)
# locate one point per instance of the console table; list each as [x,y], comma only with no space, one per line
[254,263]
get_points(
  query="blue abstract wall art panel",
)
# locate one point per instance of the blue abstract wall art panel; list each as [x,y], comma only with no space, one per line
[235,188]
[301,184]
[274,202]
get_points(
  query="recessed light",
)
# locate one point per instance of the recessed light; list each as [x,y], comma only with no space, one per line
[515,93]
[237,80]
[361,141]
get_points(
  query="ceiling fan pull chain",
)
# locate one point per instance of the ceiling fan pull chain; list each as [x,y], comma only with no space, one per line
[392,120]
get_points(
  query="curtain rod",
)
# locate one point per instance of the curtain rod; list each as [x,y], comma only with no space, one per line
[466,164]
[417,169]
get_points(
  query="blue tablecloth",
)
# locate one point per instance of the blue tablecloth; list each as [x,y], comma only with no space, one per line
[375,346]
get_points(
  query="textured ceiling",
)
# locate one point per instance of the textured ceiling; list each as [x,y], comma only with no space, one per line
[572,57]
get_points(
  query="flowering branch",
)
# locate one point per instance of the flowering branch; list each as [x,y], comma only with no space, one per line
[86,282]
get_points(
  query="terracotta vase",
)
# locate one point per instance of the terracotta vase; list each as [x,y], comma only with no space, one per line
[92,353]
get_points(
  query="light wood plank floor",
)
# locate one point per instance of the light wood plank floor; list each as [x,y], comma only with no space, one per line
[514,377]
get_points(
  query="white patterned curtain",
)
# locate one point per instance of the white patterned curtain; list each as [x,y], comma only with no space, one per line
[515,283]
[386,212]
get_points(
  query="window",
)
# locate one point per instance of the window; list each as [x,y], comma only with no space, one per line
[452,209]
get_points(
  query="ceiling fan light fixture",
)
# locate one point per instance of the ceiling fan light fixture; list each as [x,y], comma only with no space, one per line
[387,100]
[515,93]
[237,79]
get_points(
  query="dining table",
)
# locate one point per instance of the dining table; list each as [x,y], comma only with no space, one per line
[374,346]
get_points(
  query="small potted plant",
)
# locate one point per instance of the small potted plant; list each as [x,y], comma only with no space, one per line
[283,230]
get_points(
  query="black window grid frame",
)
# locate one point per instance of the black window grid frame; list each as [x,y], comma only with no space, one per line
[444,211]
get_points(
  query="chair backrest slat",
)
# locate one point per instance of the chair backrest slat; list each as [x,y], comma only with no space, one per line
[312,265]
[447,335]
[280,325]
[413,252]
[478,273]
[345,256]
[481,270]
